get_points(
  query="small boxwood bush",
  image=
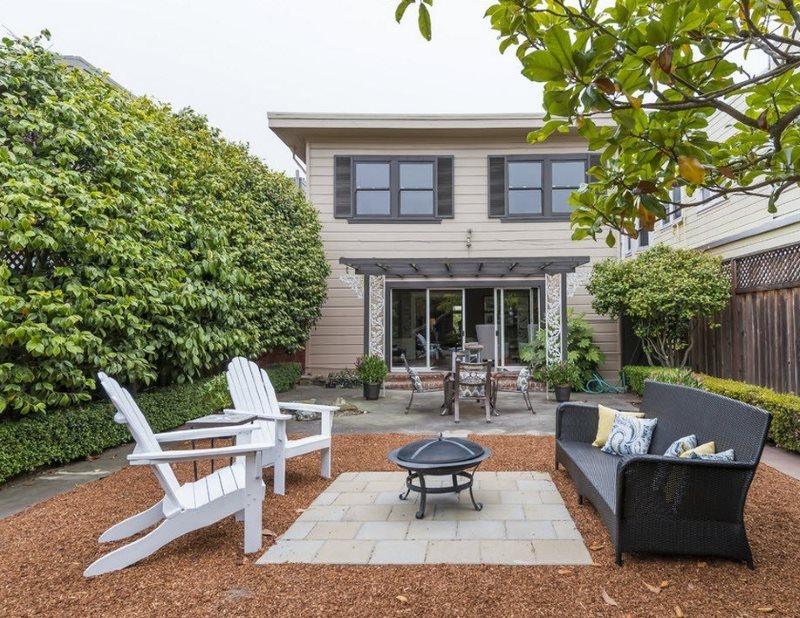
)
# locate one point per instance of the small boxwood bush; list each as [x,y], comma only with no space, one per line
[785,408]
[284,376]
[41,439]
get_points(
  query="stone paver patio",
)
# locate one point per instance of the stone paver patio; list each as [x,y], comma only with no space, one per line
[360,519]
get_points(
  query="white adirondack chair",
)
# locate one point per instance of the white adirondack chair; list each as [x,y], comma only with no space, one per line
[237,489]
[252,392]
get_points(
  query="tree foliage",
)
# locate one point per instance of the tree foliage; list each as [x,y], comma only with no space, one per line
[661,291]
[135,239]
[641,81]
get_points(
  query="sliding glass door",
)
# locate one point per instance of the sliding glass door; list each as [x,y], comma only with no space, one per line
[429,324]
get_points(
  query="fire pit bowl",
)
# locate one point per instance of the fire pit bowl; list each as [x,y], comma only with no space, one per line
[440,456]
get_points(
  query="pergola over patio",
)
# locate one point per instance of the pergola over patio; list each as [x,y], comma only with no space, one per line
[553,270]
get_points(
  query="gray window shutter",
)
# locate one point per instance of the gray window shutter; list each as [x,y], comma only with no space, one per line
[343,188]
[497,186]
[594,160]
[444,187]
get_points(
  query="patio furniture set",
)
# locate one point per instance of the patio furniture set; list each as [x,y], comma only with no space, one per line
[649,502]
[468,380]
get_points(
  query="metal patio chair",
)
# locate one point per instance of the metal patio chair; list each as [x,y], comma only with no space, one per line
[473,381]
[417,386]
[521,386]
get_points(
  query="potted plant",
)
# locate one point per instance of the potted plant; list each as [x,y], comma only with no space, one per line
[372,370]
[564,376]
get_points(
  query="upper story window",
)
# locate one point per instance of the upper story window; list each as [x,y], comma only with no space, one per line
[534,187]
[674,211]
[373,190]
[393,189]
[631,245]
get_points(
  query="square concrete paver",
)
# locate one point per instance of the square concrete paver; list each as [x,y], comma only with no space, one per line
[360,519]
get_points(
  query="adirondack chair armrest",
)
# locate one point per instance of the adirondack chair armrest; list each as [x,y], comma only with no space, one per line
[308,407]
[194,454]
[261,416]
[201,434]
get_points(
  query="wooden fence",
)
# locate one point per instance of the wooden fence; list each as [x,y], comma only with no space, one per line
[758,340]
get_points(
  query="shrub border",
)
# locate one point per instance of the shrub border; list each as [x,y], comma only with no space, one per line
[785,407]
[59,437]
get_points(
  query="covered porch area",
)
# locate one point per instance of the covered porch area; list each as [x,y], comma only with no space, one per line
[428,309]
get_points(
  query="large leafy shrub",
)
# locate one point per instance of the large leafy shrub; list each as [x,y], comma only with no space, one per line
[581,350]
[785,407]
[661,291]
[135,240]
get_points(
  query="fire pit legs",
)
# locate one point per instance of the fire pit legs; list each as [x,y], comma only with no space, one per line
[422,489]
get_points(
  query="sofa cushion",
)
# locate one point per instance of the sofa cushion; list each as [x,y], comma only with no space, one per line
[600,469]
[709,448]
[721,456]
[630,436]
[681,445]
[605,421]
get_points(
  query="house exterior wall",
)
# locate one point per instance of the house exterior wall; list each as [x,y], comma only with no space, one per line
[339,335]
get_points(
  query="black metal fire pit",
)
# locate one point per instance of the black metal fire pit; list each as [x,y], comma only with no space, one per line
[440,457]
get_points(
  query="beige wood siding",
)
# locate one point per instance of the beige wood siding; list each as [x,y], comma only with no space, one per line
[339,337]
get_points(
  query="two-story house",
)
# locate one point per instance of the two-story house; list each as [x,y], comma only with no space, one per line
[444,230]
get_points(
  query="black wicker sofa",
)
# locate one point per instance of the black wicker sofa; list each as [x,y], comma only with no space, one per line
[653,503]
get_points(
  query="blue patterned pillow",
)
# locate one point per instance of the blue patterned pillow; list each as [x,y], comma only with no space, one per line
[630,436]
[681,445]
[721,456]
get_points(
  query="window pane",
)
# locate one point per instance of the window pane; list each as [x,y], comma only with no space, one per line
[372,175]
[524,202]
[560,200]
[372,202]
[416,175]
[568,173]
[524,174]
[416,203]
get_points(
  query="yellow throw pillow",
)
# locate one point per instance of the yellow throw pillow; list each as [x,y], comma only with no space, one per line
[709,448]
[606,421]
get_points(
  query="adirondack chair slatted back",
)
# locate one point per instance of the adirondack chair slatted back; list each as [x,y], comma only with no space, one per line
[128,413]
[251,391]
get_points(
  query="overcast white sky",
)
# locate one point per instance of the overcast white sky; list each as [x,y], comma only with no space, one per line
[235,60]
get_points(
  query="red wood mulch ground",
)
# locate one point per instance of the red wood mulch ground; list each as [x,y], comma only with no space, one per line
[44,550]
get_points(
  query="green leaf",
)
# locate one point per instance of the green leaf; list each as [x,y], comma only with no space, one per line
[424,22]
[542,66]
[611,238]
[557,42]
[401,9]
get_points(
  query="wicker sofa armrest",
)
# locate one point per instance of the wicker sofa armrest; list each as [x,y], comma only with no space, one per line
[576,422]
[700,490]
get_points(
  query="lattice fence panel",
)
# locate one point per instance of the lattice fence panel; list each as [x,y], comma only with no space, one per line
[15,260]
[773,269]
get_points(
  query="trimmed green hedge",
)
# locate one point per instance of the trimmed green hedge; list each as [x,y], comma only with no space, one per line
[635,376]
[785,408]
[46,439]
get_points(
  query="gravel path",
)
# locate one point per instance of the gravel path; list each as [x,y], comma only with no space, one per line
[44,550]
